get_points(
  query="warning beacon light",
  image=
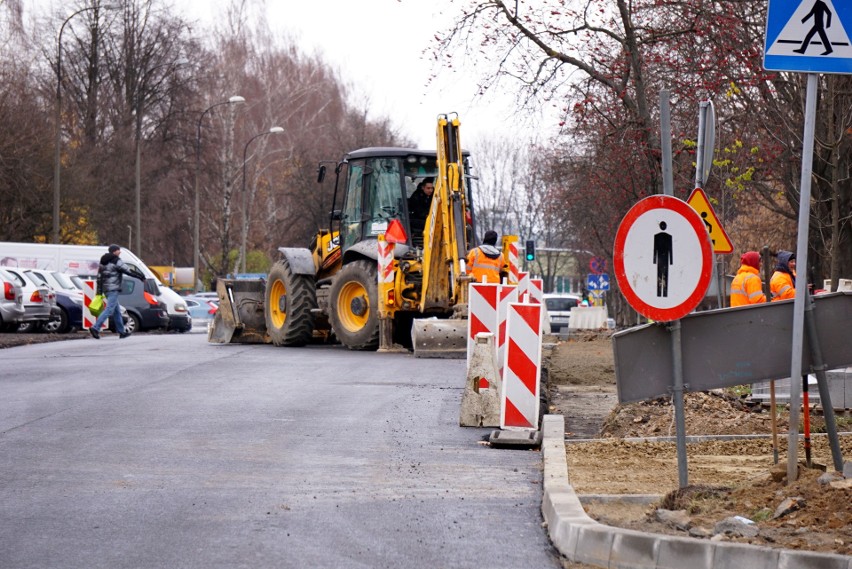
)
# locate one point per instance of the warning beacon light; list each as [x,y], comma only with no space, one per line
[530,250]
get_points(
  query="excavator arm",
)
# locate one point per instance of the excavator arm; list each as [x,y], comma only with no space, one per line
[446,243]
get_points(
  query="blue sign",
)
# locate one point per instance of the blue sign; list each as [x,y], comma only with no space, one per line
[597,282]
[808,36]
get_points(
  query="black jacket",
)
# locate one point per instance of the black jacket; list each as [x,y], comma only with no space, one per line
[111,271]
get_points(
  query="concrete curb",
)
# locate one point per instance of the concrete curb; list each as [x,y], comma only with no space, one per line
[581,539]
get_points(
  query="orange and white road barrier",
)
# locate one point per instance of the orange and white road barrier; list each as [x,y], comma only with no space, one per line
[522,368]
[482,318]
[507,294]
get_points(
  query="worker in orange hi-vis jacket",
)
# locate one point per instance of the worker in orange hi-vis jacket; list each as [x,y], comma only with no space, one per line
[783,281]
[747,287]
[485,263]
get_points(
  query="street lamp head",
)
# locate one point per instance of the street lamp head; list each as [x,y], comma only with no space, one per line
[275,130]
[236,99]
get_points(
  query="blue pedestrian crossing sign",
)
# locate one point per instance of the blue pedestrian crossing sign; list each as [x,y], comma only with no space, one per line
[597,282]
[808,36]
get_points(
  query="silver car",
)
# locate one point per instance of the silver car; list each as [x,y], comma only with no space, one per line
[39,301]
[11,303]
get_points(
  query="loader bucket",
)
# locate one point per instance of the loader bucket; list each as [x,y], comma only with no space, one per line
[439,338]
[240,318]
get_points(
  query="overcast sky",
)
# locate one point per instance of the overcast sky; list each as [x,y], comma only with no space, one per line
[378,45]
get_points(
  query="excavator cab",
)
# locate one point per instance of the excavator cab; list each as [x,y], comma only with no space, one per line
[378,183]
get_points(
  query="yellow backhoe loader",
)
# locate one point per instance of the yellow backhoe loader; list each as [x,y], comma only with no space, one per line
[332,289]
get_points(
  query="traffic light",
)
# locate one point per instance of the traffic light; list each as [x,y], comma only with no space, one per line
[530,250]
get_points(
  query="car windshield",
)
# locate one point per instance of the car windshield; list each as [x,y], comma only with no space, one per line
[35,280]
[560,304]
[64,281]
[78,282]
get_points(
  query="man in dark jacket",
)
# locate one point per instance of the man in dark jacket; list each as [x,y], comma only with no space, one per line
[418,208]
[110,273]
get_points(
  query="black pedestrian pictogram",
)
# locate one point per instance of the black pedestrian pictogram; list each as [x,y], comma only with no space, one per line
[819,11]
[663,257]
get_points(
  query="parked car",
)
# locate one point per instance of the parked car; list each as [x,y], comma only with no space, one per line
[559,309]
[144,309]
[207,294]
[69,299]
[201,309]
[39,301]
[11,303]
[179,318]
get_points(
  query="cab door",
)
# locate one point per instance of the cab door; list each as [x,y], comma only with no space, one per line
[374,196]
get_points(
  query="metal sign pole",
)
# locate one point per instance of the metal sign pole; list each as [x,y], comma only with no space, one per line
[666,143]
[677,401]
[801,276]
[674,327]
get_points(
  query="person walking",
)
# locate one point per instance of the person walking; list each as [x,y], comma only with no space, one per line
[110,274]
[485,263]
[782,284]
[747,287]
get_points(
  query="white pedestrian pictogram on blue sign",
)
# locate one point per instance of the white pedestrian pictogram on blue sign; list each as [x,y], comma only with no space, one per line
[597,282]
[808,36]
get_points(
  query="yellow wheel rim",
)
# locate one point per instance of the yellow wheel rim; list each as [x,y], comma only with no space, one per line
[353,306]
[277,313]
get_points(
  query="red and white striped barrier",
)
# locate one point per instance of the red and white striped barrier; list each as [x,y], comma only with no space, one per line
[507,294]
[536,290]
[519,406]
[385,260]
[514,265]
[523,286]
[88,295]
[482,317]
[536,296]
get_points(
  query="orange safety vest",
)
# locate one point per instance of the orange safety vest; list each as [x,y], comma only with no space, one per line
[747,288]
[781,285]
[480,265]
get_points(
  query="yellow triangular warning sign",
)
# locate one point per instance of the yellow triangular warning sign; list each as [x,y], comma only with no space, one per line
[699,202]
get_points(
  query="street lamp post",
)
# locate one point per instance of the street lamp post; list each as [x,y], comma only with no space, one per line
[58,118]
[273,130]
[197,215]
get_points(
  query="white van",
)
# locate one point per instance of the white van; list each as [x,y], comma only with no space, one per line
[559,309]
[83,260]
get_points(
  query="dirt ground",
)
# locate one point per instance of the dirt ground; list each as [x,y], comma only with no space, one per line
[726,478]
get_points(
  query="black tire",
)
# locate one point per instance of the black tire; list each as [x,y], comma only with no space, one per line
[354,306]
[132,325]
[8,326]
[290,301]
[59,326]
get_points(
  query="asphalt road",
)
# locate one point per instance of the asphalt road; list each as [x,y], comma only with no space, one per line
[165,451]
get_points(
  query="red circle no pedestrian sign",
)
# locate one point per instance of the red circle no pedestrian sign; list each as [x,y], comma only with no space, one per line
[663,258]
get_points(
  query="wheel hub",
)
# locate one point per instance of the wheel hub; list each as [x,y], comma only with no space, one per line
[358,306]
